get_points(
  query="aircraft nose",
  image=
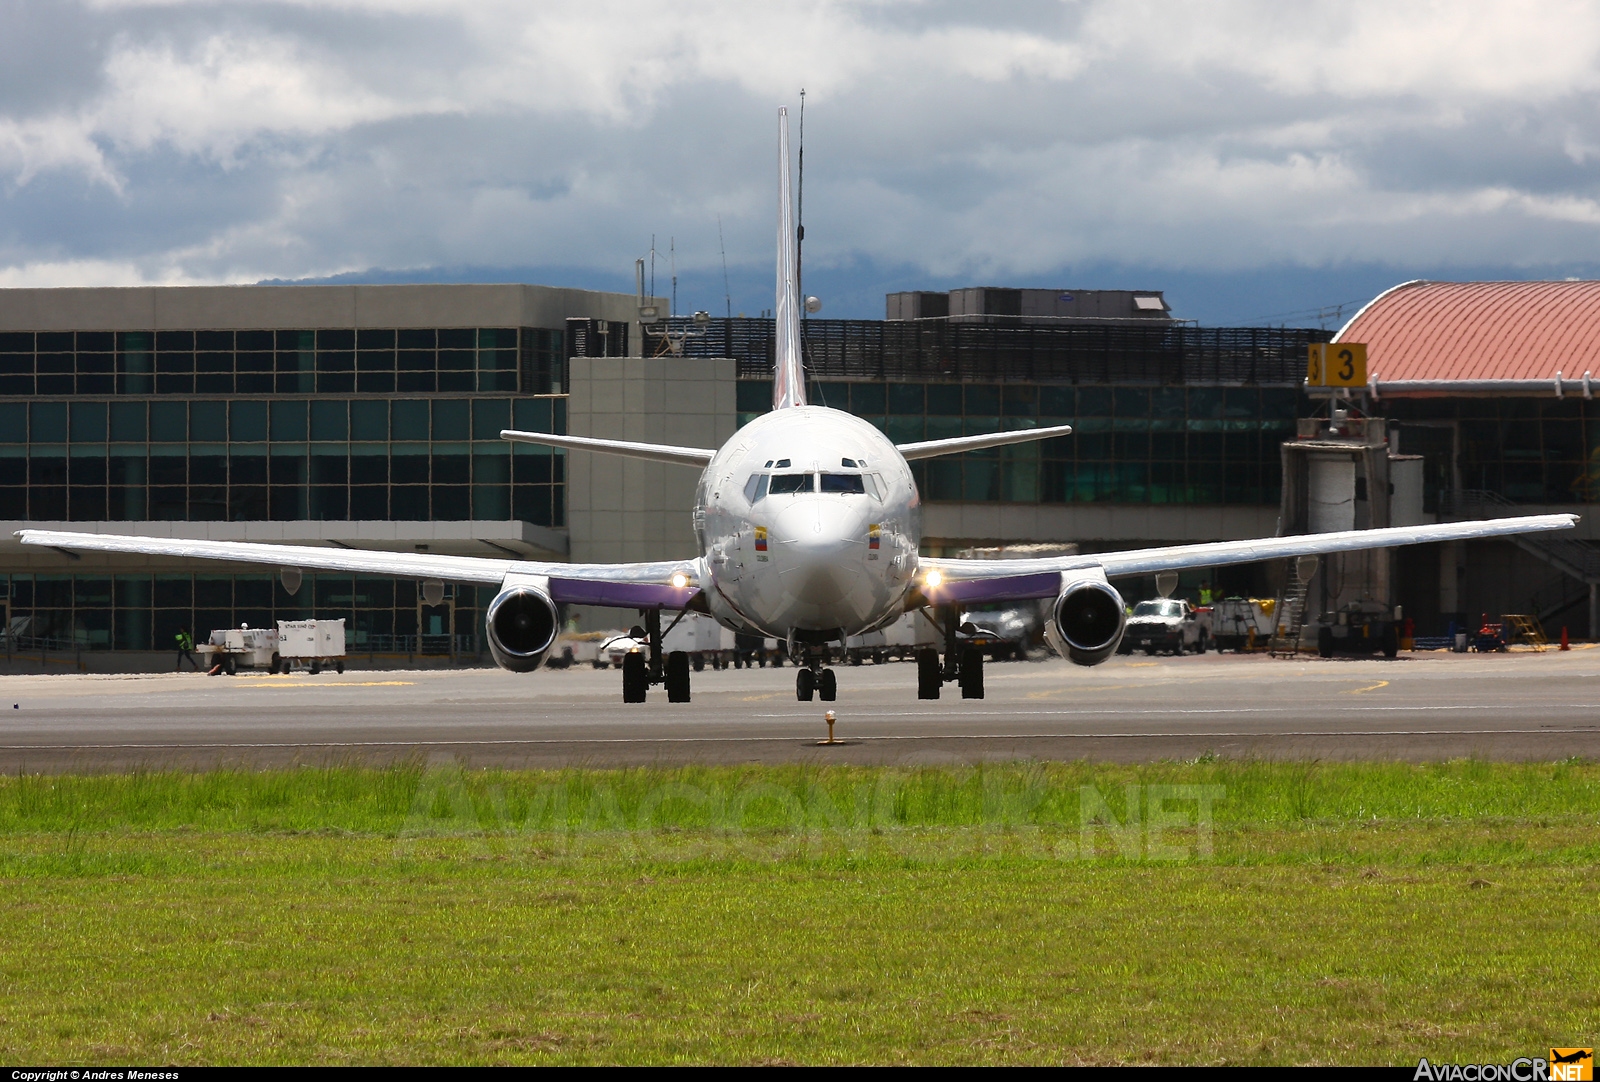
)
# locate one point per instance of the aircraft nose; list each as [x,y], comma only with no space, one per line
[821,542]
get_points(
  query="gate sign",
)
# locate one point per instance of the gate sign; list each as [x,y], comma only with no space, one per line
[1337,364]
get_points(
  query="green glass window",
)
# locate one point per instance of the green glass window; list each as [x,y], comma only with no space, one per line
[369,420]
[906,398]
[408,419]
[451,419]
[47,422]
[944,399]
[489,417]
[289,421]
[88,422]
[755,396]
[247,421]
[329,420]
[13,422]
[208,421]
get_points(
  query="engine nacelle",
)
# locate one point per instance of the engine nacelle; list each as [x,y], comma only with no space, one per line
[521,623]
[1087,621]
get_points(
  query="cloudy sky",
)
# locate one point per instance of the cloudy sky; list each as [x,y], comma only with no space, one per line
[1253,159]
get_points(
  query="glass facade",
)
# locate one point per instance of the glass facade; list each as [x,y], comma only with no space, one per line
[144,612]
[1169,444]
[1529,450]
[409,361]
[262,425]
[334,458]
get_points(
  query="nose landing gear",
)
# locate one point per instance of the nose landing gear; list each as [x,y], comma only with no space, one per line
[814,677]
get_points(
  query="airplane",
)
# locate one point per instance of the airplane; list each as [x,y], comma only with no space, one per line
[809,523]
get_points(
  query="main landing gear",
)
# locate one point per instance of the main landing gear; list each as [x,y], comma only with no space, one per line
[962,663]
[641,668]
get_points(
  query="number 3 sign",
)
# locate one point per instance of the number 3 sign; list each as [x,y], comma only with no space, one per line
[1337,364]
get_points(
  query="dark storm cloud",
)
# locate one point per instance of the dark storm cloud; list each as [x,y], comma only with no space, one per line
[224,142]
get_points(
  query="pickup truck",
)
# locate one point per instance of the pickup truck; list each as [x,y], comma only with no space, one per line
[1167,624]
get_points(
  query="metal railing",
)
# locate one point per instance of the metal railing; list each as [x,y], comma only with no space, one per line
[1579,559]
[426,645]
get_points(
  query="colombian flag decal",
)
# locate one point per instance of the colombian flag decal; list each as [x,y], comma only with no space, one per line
[872,536]
[761,539]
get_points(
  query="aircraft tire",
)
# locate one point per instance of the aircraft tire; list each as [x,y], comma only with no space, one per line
[677,677]
[698,661]
[971,673]
[827,686]
[1391,643]
[804,685]
[635,680]
[929,678]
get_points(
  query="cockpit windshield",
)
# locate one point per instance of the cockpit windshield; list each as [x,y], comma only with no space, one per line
[782,483]
[842,482]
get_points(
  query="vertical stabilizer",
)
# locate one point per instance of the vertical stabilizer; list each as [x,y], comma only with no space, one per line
[789,378]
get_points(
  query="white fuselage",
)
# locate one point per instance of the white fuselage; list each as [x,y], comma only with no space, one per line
[809,520]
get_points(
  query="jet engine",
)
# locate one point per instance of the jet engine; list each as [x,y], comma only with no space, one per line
[521,623]
[1087,622]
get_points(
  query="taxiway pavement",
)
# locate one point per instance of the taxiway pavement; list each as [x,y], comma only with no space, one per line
[1417,707]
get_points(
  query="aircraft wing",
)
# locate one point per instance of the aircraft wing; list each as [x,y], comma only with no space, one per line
[668,583]
[977,581]
[651,452]
[956,444]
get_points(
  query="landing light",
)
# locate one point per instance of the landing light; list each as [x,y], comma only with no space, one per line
[932,578]
[680,579]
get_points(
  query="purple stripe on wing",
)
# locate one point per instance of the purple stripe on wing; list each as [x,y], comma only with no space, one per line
[622,595]
[1010,588]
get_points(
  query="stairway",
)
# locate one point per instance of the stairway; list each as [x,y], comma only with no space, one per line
[1291,609]
[1526,628]
[1579,559]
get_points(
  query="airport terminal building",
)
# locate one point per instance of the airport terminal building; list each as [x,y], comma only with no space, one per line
[368,416]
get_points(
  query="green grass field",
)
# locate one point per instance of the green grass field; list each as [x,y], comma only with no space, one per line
[1175,913]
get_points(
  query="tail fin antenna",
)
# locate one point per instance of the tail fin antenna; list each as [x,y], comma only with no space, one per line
[789,378]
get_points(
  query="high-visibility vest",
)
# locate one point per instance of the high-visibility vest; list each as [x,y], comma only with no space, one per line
[185,640]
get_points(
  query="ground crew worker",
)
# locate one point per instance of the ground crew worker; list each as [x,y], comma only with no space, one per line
[1206,594]
[185,643]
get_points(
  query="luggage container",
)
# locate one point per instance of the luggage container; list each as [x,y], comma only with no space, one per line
[699,636]
[230,649]
[312,644]
[1242,624]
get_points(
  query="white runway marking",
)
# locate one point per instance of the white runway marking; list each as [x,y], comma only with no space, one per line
[1162,711]
[791,736]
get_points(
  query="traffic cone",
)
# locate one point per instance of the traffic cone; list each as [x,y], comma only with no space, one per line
[1565,645]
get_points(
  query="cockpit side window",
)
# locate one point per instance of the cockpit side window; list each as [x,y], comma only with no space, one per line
[842,482]
[783,483]
[755,488]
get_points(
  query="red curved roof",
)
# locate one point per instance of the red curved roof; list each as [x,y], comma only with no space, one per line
[1480,330]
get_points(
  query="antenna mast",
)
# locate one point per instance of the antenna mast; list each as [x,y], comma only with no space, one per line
[727,290]
[672,257]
